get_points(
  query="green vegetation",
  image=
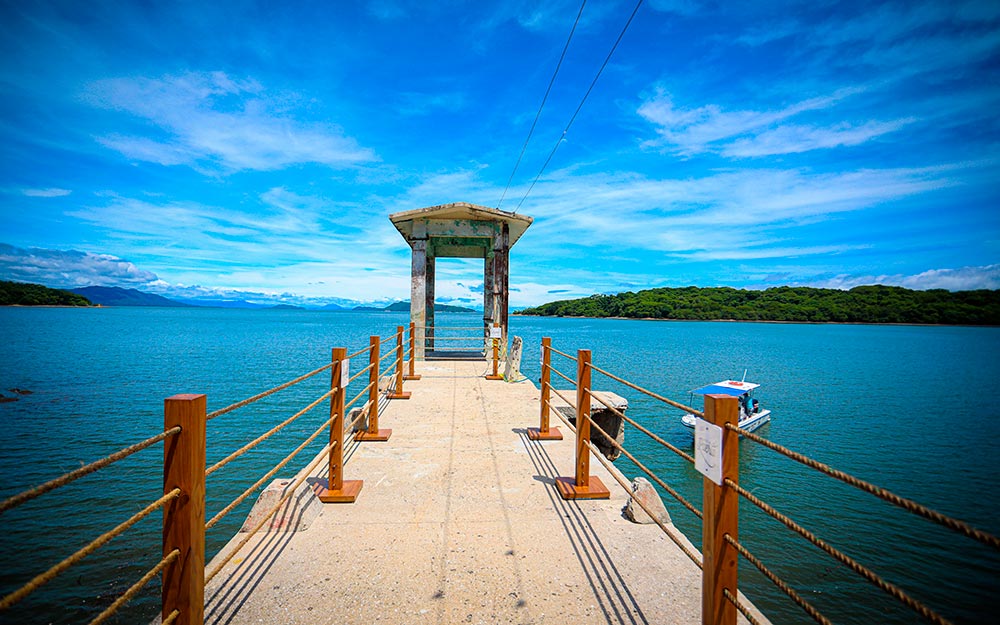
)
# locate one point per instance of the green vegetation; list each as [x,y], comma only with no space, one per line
[25,294]
[863,304]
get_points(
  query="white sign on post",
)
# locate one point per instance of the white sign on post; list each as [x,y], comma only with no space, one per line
[708,450]
[494,332]
[345,372]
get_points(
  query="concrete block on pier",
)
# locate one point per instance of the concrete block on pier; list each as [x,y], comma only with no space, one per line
[602,416]
[295,515]
[643,491]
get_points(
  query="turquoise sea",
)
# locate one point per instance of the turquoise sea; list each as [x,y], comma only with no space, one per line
[913,409]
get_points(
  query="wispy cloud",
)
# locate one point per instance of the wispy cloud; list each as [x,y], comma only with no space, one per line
[69,268]
[961,279]
[213,121]
[749,133]
[50,192]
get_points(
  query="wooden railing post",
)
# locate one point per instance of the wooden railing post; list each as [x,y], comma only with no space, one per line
[398,393]
[412,375]
[373,433]
[496,358]
[543,432]
[721,516]
[338,490]
[584,485]
[184,517]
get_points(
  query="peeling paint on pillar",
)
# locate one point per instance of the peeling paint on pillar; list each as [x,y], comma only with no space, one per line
[459,230]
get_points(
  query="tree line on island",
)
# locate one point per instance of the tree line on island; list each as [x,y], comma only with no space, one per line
[862,304]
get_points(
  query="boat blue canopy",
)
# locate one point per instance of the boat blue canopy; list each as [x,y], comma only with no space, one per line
[727,387]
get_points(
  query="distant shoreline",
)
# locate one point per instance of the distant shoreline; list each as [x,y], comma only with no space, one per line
[815,323]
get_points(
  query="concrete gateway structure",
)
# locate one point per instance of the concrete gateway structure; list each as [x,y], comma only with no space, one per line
[459,230]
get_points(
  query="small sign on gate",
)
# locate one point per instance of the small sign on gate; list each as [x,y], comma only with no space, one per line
[345,372]
[708,450]
[494,332]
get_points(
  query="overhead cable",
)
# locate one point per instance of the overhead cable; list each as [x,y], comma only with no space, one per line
[580,106]
[544,98]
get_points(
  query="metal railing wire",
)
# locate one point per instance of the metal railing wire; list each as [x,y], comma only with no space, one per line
[134,589]
[907,504]
[91,547]
[259,396]
[66,478]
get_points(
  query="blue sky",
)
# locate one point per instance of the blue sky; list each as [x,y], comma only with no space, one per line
[256,149]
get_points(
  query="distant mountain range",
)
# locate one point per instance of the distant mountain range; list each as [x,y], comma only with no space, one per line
[117,296]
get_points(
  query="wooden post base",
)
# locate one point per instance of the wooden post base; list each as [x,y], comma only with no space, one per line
[403,395]
[411,377]
[347,494]
[494,377]
[365,435]
[536,434]
[569,490]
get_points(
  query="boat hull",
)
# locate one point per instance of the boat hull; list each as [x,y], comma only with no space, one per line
[749,424]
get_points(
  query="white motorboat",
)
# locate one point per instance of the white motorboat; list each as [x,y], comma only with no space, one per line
[752,416]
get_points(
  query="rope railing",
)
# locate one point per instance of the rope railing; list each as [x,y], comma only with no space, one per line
[360,373]
[669,402]
[720,518]
[263,437]
[860,569]
[259,396]
[739,606]
[363,350]
[809,609]
[85,551]
[614,443]
[391,352]
[134,589]
[563,354]
[267,517]
[907,504]
[260,482]
[184,474]
[457,338]
[642,429]
[562,375]
[450,327]
[627,487]
[66,478]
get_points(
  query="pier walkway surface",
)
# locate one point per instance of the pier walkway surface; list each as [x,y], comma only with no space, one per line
[459,521]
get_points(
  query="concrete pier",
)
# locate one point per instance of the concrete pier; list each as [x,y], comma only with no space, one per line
[459,521]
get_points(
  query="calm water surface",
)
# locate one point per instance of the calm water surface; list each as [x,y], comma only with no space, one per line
[914,409]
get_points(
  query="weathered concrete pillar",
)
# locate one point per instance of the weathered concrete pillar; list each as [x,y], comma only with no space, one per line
[429,300]
[488,293]
[501,276]
[418,292]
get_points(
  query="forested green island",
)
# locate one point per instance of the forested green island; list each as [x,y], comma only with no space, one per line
[862,304]
[22,294]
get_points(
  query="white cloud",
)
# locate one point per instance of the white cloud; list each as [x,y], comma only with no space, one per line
[210,120]
[50,192]
[69,268]
[749,133]
[961,279]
